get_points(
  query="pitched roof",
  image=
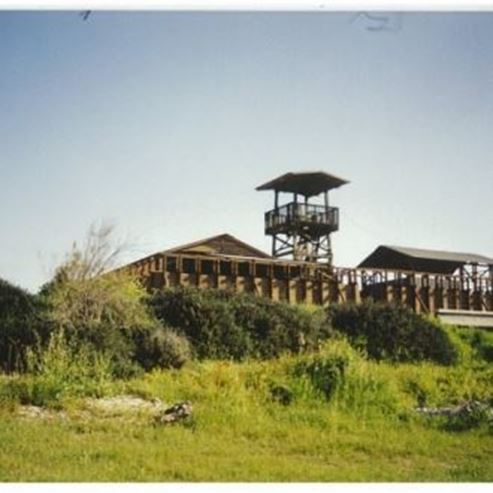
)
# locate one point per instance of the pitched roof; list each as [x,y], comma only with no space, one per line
[224,244]
[307,183]
[420,260]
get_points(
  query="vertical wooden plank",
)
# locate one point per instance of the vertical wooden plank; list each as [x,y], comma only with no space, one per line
[293,291]
[410,297]
[309,299]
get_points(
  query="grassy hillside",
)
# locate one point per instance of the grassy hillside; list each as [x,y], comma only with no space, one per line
[330,416]
[279,392]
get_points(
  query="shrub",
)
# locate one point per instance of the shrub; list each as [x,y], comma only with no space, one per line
[96,309]
[60,371]
[479,341]
[281,393]
[223,325]
[278,327]
[206,320]
[393,332]
[326,371]
[20,326]
[325,374]
[101,315]
[161,348]
[472,415]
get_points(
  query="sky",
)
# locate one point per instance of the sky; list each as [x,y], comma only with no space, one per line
[164,123]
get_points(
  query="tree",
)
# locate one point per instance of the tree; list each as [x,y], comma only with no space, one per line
[19,325]
[107,309]
[94,305]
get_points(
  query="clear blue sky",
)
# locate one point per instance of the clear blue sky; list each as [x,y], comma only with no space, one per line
[165,122]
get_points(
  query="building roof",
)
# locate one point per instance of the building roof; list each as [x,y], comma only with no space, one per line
[420,260]
[224,244]
[307,184]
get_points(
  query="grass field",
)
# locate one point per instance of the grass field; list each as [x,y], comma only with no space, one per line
[287,446]
[366,430]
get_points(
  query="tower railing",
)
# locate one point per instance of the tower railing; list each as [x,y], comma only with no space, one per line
[300,214]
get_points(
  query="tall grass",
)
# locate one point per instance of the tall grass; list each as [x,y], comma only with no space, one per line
[331,415]
[60,372]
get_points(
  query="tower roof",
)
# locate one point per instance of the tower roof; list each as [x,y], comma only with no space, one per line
[307,184]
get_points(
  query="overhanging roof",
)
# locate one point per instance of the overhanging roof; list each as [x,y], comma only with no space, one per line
[307,184]
[420,260]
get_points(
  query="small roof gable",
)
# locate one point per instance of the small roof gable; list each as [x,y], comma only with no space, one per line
[224,244]
[420,260]
[307,184]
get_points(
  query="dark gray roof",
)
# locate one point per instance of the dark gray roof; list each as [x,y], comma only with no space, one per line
[464,258]
[307,183]
[421,260]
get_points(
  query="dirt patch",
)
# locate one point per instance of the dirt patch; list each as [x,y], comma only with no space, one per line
[41,413]
[122,407]
[123,404]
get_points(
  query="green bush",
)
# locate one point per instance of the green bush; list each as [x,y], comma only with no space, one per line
[480,341]
[436,386]
[206,320]
[223,325]
[324,373]
[473,415]
[161,348]
[14,390]
[281,393]
[277,327]
[393,332]
[97,308]
[20,326]
[58,372]
[103,314]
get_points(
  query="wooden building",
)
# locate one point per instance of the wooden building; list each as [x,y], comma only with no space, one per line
[224,262]
[427,281]
[430,281]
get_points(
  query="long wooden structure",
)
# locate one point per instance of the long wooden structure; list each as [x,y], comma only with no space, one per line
[312,283]
[427,281]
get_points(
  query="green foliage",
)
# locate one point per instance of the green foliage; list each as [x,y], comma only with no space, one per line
[393,332]
[100,311]
[205,319]
[97,311]
[282,394]
[465,352]
[264,420]
[367,388]
[324,372]
[221,325]
[20,326]
[429,385]
[59,372]
[277,327]
[161,348]
[479,342]
[473,415]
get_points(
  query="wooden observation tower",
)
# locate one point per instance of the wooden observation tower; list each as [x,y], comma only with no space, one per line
[301,228]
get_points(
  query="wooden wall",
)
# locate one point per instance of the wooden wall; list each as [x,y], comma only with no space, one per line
[301,282]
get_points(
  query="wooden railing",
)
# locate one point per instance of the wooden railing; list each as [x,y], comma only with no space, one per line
[301,214]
